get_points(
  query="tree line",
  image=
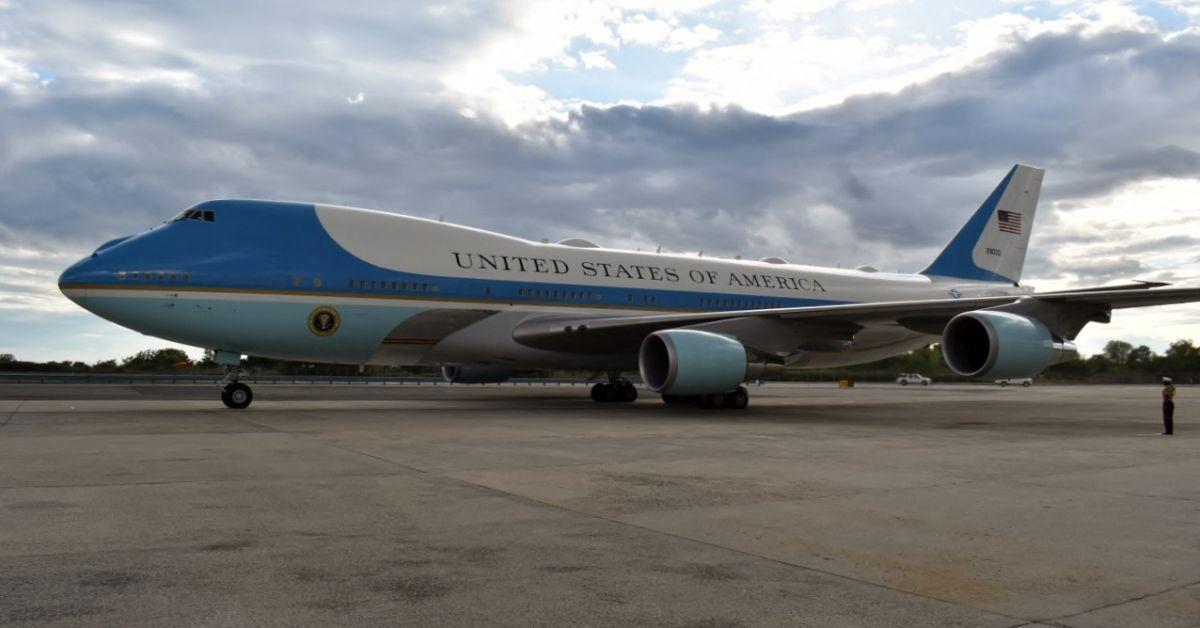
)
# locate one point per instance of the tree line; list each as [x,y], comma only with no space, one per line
[1119,362]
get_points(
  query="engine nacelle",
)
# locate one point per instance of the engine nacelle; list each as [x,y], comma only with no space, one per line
[1001,345]
[694,362]
[475,374]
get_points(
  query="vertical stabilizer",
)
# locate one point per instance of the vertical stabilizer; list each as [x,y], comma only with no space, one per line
[991,246]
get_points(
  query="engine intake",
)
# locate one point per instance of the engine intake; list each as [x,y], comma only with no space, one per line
[694,362]
[1000,345]
[475,374]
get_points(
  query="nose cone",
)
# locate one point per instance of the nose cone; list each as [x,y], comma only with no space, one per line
[72,282]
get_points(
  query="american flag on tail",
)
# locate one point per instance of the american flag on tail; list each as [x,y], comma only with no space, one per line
[1010,222]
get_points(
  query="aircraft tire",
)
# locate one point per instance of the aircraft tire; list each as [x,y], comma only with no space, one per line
[237,396]
[603,392]
[737,399]
[626,392]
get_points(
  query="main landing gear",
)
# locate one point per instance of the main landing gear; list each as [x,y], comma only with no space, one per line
[621,390]
[233,393]
[736,399]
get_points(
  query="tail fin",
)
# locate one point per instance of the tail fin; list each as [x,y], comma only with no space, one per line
[991,246]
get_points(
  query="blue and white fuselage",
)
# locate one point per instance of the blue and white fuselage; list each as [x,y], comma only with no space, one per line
[413,291]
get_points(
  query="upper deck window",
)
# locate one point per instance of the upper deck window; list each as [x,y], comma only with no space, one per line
[203,215]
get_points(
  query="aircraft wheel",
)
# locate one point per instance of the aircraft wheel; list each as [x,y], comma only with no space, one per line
[237,396]
[674,399]
[603,392]
[736,399]
[711,401]
[626,392]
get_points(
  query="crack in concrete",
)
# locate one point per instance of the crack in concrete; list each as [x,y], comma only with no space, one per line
[1137,598]
[13,413]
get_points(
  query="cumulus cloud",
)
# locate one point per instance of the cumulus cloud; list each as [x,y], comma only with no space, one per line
[596,59]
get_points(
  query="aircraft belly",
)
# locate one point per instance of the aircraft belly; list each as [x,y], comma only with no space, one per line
[411,341]
[490,341]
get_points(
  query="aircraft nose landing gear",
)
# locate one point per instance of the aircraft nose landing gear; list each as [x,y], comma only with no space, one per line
[233,393]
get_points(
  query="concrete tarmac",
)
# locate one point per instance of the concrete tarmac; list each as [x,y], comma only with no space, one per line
[469,506]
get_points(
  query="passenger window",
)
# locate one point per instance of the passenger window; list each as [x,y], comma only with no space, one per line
[121,274]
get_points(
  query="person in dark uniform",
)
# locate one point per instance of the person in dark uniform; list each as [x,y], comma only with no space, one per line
[1168,407]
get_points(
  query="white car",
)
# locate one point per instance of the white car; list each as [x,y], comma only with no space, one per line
[1013,381]
[913,378]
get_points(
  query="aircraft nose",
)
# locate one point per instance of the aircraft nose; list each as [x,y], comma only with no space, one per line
[72,282]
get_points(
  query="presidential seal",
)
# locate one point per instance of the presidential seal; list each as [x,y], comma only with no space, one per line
[323,321]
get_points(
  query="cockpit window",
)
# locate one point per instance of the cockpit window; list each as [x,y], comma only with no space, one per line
[203,215]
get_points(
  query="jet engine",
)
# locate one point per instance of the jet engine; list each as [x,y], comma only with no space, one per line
[475,374]
[1001,345]
[694,362]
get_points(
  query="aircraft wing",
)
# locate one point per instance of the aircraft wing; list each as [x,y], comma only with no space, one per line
[785,329]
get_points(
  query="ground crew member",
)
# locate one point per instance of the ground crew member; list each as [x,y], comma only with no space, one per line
[1168,407]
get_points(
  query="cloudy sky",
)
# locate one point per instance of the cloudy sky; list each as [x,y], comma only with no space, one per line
[825,131]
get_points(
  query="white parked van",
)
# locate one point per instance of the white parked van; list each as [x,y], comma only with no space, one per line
[913,378]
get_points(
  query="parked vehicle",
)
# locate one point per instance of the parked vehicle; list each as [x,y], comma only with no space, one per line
[913,378]
[1013,381]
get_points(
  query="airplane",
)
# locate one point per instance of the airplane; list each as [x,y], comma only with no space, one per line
[322,283]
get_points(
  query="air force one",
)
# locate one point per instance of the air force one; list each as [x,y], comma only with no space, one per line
[320,283]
